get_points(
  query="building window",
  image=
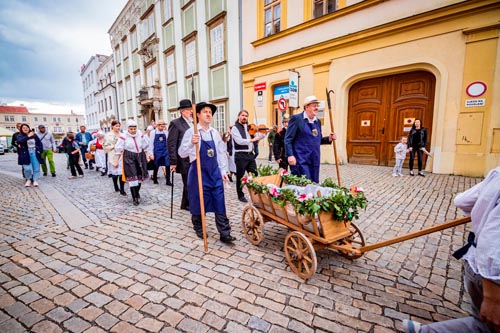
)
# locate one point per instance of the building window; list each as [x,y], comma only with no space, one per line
[167,9]
[7,118]
[118,55]
[174,115]
[133,39]
[137,79]
[170,65]
[190,51]
[110,105]
[36,118]
[125,49]
[128,87]
[148,26]
[69,120]
[323,7]
[151,74]
[219,119]
[272,17]
[44,119]
[217,43]
[24,119]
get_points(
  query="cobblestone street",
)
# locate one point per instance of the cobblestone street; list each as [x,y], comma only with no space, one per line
[77,257]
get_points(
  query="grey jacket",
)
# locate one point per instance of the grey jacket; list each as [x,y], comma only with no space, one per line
[47,139]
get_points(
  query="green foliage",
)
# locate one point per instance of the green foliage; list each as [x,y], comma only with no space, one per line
[296,180]
[266,170]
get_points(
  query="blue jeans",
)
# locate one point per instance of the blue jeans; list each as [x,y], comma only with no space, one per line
[32,170]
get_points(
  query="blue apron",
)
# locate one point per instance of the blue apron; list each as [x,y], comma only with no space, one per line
[307,151]
[160,150]
[213,189]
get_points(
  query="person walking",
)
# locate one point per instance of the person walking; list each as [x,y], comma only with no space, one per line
[72,149]
[29,154]
[100,156]
[279,144]
[270,140]
[213,172]
[114,171]
[158,151]
[83,138]
[303,139]
[481,262]
[15,145]
[417,141]
[243,148]
[176,131]
[132,146]
[401,149]
[49,147]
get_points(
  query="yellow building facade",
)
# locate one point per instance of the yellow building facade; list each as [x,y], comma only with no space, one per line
[385,63]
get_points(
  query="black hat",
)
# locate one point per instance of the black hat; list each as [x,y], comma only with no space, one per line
[41,126]
[184,104]
[201,105]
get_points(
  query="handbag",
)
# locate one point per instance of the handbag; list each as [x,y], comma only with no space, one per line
[89,156]
[151,165]
[92,147]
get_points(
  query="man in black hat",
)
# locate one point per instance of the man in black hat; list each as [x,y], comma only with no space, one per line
[176,131]
[49,147]
[213,162]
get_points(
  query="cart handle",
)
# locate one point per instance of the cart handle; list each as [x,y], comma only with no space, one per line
[415,234]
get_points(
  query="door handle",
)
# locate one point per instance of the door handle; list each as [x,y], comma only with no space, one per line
[383,130]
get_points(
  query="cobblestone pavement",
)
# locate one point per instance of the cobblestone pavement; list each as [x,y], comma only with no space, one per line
[135,269]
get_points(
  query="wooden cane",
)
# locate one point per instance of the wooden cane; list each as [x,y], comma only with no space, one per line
[198,168]
[333,131]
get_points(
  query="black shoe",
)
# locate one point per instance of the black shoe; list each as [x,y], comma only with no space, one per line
[103,173]
[420,173]
[199,234]
[136,202]
[230,178]
[53,175]
[227,239]
[155,181]
[242,199]
[91,168]
[122,193]
[45,174]
[169,183]
[411,173]
[86,167]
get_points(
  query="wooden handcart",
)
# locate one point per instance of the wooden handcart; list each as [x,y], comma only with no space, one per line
[310,234]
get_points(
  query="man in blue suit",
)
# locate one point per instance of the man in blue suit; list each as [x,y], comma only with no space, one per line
[303,139]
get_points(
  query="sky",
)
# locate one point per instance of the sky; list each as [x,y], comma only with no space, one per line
[43,44]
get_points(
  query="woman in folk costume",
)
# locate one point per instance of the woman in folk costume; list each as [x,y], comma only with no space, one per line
[135,170]
[99,154]
[158,151]
[213,162]
[115,172]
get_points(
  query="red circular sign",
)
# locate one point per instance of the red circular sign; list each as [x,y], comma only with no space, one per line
[282,104]
[476,89]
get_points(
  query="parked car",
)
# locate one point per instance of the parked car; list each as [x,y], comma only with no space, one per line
[2,149]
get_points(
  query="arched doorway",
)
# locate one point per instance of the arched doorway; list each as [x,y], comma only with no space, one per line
[381,111]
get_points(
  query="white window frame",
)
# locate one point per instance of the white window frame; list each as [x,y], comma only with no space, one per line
[271,21]
[190,56]
[170,67]
[217,49]
[133,39]
[167,10]
[219,118]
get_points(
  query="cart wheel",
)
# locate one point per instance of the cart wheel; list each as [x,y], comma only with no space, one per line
[355,240]
[300,254]
[253,224]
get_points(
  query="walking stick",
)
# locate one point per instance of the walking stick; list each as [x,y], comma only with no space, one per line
[333,131]
[198,169]
[172,196]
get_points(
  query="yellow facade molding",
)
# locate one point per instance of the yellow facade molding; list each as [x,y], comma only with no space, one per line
[321,67]
[485,32]
[445,15]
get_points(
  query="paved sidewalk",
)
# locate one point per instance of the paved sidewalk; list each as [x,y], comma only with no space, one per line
[77,257]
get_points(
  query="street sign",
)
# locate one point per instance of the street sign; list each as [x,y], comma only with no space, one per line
[293,84]
[282,104]
[259,86]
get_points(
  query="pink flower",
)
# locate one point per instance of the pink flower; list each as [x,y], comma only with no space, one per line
[274,191]
[284,173]
[302,197]
[358,189]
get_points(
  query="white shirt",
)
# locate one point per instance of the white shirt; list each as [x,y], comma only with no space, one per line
[127,142]
[482,204]
[235,134]
[188,149]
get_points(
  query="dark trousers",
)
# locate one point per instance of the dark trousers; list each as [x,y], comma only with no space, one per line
[74,165]
[221,222]
[244,162]
[167,174]
[184,200]
[83,150]
[419,157]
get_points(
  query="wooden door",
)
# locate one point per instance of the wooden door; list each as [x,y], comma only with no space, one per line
[381,110]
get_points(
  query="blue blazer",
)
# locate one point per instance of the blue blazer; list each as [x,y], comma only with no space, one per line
[295,128]
[78,137]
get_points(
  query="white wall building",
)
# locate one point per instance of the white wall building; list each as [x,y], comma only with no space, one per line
[88,74]
[159,46]
[106,95]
